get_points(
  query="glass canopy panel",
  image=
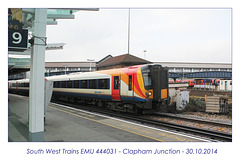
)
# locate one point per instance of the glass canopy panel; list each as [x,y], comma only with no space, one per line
[61,11]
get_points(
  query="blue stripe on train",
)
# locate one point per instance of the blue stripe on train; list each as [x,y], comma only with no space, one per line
[84,95]
[135,99]
[99,96]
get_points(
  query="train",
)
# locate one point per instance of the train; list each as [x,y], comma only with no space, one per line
[225,85]
[210,84]
[193,82]
[133,89]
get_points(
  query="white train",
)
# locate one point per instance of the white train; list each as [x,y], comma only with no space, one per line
[225,85]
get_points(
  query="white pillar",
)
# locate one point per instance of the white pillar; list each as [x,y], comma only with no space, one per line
[36,93]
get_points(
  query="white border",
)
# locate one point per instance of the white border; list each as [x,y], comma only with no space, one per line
[225,150]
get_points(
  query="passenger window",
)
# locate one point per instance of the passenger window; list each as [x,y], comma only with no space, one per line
[130,82]
[54,84]
[83,83]
[76,84]
[58,84]
[63,84]
[116,82]
[93,84]
[69,84]
[103,83]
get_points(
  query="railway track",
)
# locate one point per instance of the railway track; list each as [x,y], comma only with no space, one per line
[193,119]
[215,135]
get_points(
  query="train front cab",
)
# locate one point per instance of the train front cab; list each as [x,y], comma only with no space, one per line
[155,79]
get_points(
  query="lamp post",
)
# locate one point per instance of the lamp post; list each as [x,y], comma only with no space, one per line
[144,51]
[128,30]
[65,68]
[90,60]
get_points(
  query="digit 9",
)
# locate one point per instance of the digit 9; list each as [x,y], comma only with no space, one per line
[17,37]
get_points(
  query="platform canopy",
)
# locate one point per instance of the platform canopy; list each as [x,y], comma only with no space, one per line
[26,17]
[18,65]
[52,15]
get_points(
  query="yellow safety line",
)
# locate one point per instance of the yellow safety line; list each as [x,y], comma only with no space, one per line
[106,124]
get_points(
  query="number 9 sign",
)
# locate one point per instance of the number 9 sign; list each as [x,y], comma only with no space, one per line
[17,40]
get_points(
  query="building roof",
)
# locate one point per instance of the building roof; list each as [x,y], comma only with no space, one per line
[194,65]
[68,64]
[125,59]
[104,59]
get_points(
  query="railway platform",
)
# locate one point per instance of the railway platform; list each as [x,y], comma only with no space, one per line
[66,124]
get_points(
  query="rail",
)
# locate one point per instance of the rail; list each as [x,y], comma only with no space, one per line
[194,119]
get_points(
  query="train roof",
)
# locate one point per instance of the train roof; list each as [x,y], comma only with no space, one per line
[19,80]
[76,76]
[90,75]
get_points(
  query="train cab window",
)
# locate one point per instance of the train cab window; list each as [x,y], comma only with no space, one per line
[103,84]
[130,82]
[93,84]
[76,84]
[83,83]
[147,79]
[116,82]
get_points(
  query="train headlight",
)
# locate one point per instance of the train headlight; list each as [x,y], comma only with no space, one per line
[149,93]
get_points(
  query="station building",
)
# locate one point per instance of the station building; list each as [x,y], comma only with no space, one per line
[110,62]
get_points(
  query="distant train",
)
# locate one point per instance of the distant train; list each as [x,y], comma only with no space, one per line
[225,85]
[193,82]
[132,89]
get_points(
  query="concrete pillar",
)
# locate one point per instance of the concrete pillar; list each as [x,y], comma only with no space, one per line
[36,93]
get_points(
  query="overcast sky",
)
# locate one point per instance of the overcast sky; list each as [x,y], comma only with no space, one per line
[172,35]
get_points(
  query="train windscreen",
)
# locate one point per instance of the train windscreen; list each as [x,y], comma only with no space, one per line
[147,79]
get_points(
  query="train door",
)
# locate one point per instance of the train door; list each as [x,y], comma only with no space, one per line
[131,87]
[116,87]
[225,86]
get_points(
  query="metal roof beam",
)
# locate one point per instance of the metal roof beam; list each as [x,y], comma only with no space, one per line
[50,46]
[28,10]
[51,22]
[76,9]
[63,16]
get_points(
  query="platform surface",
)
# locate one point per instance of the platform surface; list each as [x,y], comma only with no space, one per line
[65,124]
